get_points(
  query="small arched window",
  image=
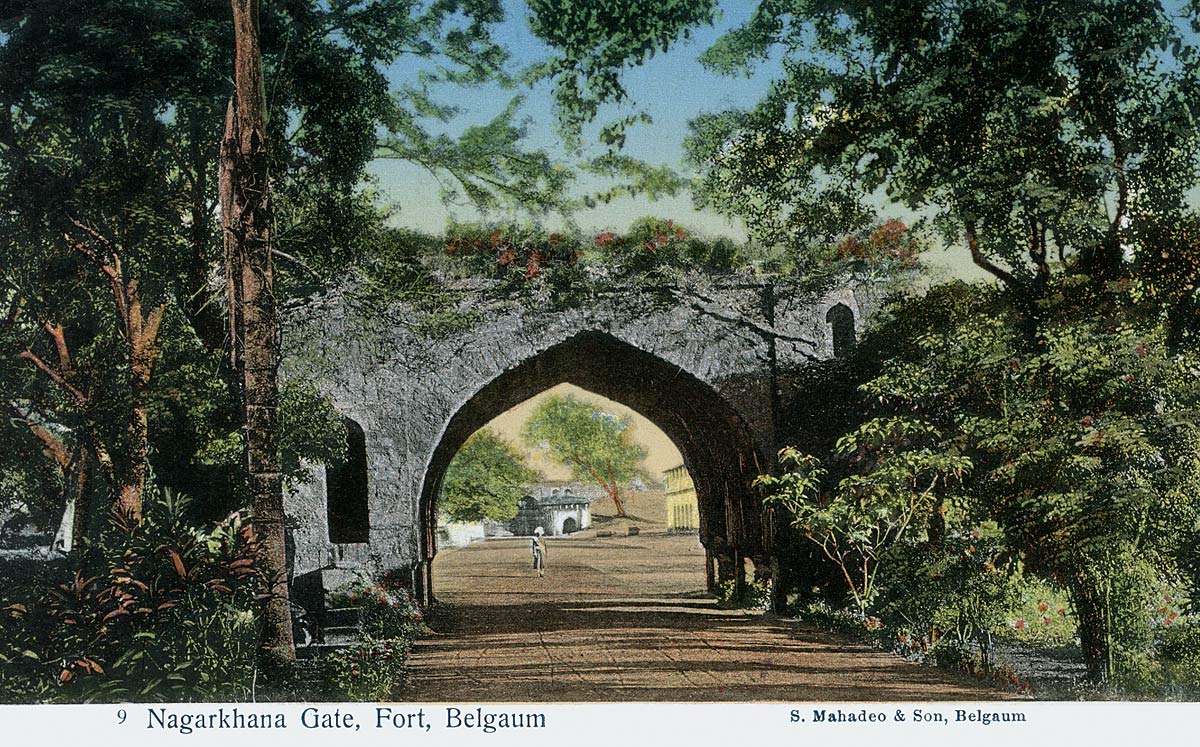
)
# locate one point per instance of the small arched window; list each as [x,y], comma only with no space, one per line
[346,490]
[841,322]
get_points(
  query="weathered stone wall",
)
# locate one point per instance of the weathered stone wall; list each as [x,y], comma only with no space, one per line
[693,362]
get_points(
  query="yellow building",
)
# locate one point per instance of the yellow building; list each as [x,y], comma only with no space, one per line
[683,512]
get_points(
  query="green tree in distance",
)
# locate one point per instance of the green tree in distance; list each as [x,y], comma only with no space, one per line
[486,479]
[594,444]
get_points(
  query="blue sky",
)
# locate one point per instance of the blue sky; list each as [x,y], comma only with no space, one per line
[672,87]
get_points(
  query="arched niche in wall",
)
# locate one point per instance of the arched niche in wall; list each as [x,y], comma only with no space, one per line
[347,490]
[841,322]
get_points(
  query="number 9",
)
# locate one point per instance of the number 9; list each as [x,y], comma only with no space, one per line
[121,715]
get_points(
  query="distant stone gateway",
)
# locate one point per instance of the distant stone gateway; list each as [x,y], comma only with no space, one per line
[558,511]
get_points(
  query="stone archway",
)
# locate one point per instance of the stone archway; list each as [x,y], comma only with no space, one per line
[716,369]
[717,446]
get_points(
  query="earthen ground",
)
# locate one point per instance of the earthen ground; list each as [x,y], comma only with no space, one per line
[625,618]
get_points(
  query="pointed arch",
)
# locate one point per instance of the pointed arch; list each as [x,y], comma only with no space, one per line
[716,443]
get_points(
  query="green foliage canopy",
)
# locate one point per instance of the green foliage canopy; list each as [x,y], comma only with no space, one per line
[888,496]
[486,479]
[595,445]
[594,41]
[113,116]
[1036,130]
[1084,442]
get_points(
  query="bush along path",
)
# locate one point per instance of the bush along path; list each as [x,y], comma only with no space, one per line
[361,651]
[156,610]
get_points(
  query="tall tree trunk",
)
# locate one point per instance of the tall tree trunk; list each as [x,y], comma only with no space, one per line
[126,475]
[141,333]
[1093,627]
[80,480]
[246,218]
[614,492]
[609,486]
[131,480]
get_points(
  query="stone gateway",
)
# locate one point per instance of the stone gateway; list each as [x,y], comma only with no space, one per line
[557,511]
[715,369]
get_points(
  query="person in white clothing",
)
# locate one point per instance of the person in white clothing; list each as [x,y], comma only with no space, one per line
[538,547]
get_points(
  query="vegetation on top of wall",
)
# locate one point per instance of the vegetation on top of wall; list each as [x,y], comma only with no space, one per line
[450,283]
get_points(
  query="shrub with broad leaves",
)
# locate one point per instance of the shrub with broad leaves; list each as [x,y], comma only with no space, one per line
[368,670]
[164,612]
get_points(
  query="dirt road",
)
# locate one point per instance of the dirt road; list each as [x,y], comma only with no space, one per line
[625,619]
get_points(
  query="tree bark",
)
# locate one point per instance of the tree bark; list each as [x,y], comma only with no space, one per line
[981,261]
[246,218]
[131,481]
[1093,627]
[142,338]
[609,486]
[614,492]
[127,475]
[80,480]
